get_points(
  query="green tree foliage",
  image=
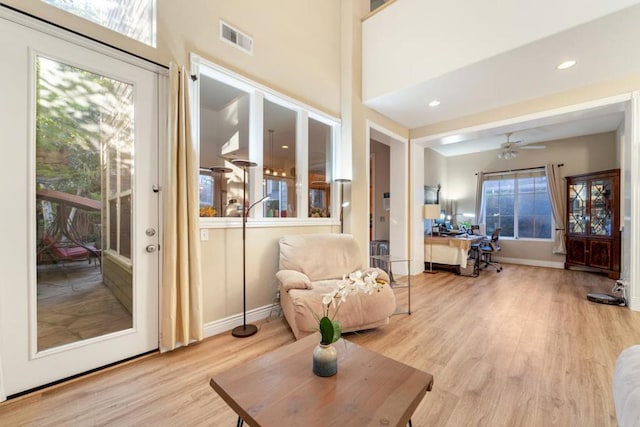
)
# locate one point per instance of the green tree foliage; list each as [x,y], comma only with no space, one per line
[84,121]
[77,113]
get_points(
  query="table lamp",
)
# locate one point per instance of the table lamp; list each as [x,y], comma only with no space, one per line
[431,212]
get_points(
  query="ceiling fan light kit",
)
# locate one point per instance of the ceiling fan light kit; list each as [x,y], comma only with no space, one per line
[508,154]
[508,148]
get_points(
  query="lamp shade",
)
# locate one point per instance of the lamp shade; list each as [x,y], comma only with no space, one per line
[430,211]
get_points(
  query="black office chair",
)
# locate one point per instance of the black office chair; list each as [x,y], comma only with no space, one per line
[487,248]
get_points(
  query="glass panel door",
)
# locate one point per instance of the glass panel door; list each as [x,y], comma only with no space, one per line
[577,208]
[79,290]
[601,217]
[79,116]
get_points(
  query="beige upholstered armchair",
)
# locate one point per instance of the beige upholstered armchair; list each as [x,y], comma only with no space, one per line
[312,265]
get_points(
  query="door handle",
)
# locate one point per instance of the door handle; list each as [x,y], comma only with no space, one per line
[151,248]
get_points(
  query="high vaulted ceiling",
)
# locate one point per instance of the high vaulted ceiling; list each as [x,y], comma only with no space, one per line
[478,56]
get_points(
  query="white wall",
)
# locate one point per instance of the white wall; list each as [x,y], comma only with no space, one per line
[435,171]
[356,122]
[623,140]
[219,127]
[381,185]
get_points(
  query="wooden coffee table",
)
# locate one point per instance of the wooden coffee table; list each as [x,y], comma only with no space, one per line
[279,388]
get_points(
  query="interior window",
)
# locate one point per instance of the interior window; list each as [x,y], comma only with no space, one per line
[279,158]
[320,143]
[132,18]
[291,145]
[224,136]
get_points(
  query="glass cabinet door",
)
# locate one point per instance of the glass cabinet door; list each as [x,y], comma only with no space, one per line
[601,218]
[578,207]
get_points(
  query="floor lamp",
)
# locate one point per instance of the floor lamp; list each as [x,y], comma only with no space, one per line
[245,330]
[219,171]
[431,212]
[342,203]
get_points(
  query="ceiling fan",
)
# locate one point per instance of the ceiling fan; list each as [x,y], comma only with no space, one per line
[509,148]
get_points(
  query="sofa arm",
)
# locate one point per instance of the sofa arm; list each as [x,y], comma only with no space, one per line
[291,279]
[626,387]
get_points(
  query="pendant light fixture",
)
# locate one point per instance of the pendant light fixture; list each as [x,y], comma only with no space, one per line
[267,170]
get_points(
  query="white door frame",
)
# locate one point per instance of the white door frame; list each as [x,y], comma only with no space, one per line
[632,134]
[399,192]
[372,203]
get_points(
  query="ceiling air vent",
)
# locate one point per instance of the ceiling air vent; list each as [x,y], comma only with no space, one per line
[236,37]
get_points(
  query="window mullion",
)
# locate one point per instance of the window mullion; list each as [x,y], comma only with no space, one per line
[302,163]
[118,201]
[256,142]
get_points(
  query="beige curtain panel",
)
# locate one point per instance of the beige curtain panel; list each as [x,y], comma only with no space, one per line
[3,395]
[555,184]
[181,308]
[479,198]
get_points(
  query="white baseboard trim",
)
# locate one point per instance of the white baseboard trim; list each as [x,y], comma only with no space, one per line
[223,325]
[634,303]
[532,262]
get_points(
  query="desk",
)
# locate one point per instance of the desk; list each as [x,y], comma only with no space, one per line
[451,250]
[388,260]
[279,388]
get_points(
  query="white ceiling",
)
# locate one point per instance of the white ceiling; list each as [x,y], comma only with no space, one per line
[606,49]
[584,122]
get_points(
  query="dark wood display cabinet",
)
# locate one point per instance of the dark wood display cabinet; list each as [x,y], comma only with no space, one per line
[593,222]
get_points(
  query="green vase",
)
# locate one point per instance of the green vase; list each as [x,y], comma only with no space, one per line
[325,360]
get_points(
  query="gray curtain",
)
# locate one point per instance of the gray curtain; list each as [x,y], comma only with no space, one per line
[556,188]
[181,312]
[479,198]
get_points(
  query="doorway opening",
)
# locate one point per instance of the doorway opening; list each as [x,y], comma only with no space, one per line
[388,194]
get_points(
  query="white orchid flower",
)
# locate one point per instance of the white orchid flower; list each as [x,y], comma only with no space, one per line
[354,282]
[327,299]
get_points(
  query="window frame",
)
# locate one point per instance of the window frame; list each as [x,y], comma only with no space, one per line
[152,29]
[117,195]
[515,176]
[257,94]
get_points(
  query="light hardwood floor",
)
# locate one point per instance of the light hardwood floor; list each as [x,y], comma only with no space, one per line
[520,348]
[74,304]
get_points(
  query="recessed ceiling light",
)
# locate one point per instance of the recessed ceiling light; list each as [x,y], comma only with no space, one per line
[284,146]
[434,103]
[566,64]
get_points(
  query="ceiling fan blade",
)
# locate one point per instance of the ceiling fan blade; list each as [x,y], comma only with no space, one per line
[532,147]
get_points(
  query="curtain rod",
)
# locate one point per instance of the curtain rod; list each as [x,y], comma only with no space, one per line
[519,169]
